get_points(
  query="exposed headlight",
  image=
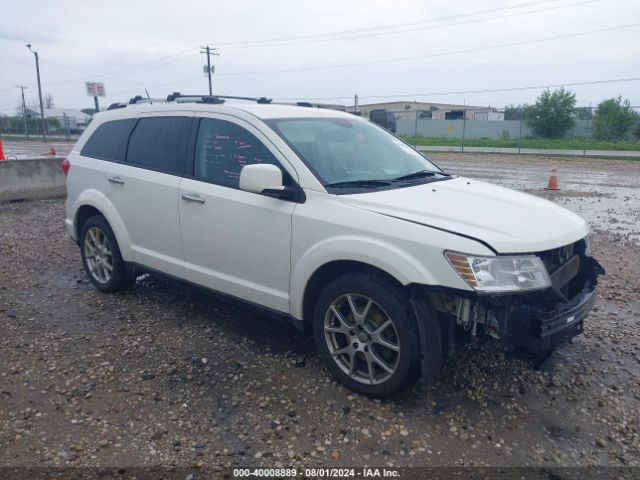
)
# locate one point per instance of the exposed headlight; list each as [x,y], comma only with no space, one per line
[502,273]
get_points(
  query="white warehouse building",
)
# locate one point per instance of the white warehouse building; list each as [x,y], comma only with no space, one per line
[429,110]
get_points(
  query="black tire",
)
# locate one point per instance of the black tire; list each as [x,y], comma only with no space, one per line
[390,300]
[122,275]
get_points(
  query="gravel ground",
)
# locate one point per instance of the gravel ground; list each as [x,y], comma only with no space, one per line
[165,374]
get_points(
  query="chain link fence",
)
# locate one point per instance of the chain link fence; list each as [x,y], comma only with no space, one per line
[513,128]
[64,125]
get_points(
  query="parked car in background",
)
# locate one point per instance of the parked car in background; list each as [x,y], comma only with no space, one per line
[329,220]
[384,118]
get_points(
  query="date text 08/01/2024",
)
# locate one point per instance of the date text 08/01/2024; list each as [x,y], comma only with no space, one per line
[316,472]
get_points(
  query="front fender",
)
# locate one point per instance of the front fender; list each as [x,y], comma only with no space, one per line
[380,254]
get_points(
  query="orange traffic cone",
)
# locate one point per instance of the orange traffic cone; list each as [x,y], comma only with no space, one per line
[2,157]
[52,151]
[553,179]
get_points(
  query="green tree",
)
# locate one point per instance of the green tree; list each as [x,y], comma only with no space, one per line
[553,114]
[613,119]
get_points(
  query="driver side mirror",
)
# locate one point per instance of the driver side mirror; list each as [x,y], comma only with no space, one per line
[261,178]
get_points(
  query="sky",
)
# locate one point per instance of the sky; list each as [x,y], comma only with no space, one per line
[477,52]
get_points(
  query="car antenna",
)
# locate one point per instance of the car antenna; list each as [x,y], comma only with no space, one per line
[150,102]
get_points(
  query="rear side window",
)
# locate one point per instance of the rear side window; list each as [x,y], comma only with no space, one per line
[223,148]
[108,141]
[159,143]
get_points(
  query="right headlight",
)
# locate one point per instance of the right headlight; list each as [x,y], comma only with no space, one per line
[501,273]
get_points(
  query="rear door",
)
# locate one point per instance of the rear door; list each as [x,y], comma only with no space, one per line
[106,144]
[235,242]
[144,190]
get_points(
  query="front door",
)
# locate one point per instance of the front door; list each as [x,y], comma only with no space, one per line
[235,242]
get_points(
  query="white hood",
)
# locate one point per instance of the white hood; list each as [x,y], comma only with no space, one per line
[509,221]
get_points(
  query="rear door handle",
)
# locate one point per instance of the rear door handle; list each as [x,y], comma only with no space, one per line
[117,180]
[193,197]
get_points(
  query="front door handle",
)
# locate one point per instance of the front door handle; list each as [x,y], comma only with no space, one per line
[193,197]
[117,180]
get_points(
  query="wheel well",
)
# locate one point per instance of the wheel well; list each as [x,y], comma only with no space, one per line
[85,213]
[323,275]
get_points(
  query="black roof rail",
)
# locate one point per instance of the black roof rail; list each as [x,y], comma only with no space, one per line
[199,98]
[113,106]
[253,99]
[216,98]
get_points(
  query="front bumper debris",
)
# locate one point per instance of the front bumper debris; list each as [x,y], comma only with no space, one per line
[542,321]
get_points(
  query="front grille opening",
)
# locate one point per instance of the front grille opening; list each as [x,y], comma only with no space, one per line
[555,258]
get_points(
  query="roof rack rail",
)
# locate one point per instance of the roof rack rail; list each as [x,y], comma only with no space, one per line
[140,99]
[216,100]
[113,106]
[175,96]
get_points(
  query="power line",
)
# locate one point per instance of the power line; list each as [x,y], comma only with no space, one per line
[126,69]
[421,57]
[489,90]
[383,27]
[380,31]
[456,92]
[150,65]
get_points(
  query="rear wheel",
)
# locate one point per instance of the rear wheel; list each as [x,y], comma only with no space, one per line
[366,335]
[101,257]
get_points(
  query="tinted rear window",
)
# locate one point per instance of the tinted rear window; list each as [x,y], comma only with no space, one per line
[160,143]
[108,141]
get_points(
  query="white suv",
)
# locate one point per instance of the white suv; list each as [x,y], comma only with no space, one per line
[332,221]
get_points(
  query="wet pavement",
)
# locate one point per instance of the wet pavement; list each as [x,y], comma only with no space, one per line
[604,192]
[164,374]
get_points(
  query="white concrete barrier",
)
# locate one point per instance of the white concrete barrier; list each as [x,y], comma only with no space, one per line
[31,179]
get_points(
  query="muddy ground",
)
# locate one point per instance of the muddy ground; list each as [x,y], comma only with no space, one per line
[165,374]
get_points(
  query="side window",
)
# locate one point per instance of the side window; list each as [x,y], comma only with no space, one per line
[160,143]
[108,140]
[223,148]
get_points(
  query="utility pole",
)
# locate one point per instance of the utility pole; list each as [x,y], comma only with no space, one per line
[44,124]
[24,111]
[522,110]
[209,51]
[464,124]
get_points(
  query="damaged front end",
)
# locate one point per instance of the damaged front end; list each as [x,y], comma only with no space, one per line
[536,321]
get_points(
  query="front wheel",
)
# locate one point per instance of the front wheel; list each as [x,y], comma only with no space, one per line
[101,256]
[366,334]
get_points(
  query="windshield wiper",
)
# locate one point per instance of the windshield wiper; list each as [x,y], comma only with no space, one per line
[359,184]
[420,174]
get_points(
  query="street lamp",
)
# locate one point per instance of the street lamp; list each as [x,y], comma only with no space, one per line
[44,124]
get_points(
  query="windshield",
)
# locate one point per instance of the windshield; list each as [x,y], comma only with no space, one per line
[354,153]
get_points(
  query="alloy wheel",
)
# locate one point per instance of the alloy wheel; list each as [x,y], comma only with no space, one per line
[362,339]
[98,255]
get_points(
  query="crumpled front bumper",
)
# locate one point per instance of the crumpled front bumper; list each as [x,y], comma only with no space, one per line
[541,321]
